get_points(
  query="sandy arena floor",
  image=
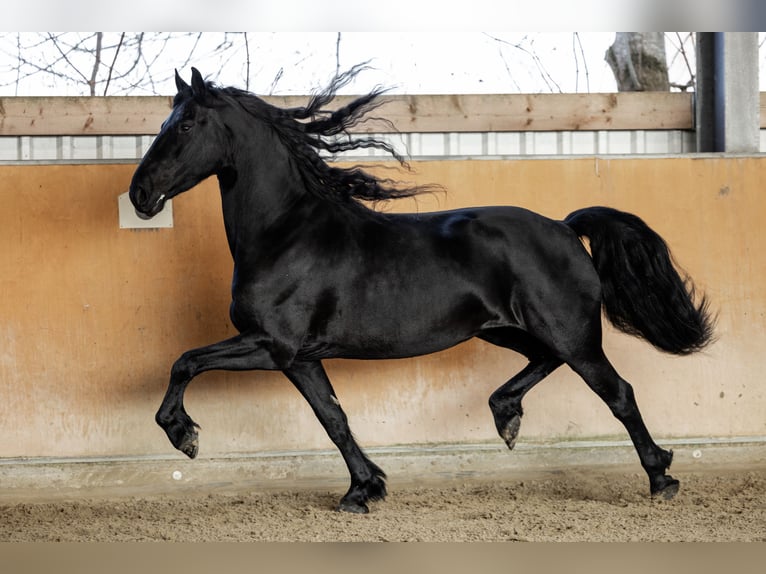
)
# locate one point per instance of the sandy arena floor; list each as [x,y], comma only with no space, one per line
[571,505]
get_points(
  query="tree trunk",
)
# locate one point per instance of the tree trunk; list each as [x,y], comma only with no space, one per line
[638,62]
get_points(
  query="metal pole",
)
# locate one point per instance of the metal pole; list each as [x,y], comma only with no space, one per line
[727,98]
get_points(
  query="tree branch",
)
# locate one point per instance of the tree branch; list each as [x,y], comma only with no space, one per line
[576,39]
[544,74]
[247,63]
[337,54]
[96,63]
[114,61]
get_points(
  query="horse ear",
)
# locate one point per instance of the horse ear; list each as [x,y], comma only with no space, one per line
[183,87]
[198,84]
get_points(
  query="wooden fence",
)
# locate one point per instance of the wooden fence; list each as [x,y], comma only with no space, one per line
[50,116]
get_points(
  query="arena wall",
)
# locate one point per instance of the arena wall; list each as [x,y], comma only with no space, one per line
[92,316]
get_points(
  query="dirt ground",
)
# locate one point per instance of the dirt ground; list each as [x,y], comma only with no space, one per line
[571,505]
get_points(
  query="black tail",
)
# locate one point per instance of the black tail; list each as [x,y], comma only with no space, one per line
[643,293]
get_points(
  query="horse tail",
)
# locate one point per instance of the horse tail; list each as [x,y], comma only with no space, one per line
[643,293]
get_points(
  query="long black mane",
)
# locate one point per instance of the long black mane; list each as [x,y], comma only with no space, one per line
[313,129]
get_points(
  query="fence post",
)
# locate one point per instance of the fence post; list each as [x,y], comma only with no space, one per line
[727,104]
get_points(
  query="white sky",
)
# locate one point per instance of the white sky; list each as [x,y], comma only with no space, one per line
[443,62]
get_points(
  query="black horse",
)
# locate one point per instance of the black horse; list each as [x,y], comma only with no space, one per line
[318,274]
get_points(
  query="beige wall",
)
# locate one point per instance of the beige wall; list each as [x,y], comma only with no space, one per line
[92,317]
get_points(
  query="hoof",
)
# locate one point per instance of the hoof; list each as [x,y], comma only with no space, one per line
[667,487]
[190,444]
[181,431]
[353,507]
[511,431]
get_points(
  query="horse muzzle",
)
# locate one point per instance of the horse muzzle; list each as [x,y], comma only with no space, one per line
[146,207]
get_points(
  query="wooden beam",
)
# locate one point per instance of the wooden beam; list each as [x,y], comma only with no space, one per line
[143,115]
[82,116]
[540,112]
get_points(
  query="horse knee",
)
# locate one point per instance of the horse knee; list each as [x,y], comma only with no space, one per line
[184,368]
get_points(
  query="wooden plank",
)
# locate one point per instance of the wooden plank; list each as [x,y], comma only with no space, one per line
[52,116]
[141,115]
[540,112]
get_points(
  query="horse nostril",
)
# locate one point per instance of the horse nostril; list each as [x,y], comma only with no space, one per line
[137,196]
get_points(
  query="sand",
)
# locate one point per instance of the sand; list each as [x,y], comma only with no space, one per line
[570,505]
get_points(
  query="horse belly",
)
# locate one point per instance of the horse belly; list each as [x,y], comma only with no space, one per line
[410,321]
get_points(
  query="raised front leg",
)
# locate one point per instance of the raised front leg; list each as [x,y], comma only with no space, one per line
[367,479]
[241,353]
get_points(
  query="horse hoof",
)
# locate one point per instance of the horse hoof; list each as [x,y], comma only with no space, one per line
[190,445]
[353,507]
[511,431]
[668,489]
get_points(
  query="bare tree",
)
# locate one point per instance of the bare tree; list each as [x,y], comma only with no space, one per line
[95,63]
[143,63]
[103,63]
[639,62]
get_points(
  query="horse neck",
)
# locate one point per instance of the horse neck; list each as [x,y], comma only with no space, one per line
[260,189]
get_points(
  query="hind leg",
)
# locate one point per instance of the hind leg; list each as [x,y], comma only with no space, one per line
[617,393]
[505,402]
[572,330]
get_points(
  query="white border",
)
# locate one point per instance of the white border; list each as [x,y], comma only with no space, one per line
[386,15]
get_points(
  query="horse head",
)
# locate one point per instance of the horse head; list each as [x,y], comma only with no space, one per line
[190,147]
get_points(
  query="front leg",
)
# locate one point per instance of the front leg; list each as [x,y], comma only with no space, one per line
[367,479]
[241,353]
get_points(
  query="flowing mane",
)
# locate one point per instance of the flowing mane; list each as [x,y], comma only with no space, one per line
[311,129]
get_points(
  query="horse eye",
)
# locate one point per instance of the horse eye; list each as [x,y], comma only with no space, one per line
[185,127]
